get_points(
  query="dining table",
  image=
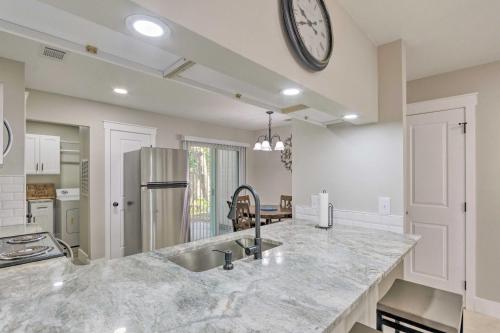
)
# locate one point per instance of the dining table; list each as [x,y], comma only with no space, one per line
[272,212]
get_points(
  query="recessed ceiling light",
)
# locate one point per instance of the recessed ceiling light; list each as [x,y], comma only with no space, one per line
[120,91]
[291,92]
[350,116]
[147,26]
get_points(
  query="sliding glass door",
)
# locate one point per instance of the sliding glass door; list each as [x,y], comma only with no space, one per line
[215,171]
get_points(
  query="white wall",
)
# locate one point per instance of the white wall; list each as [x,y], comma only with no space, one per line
[357,164]
[68,110]
[268,175]
[12,187]
[12,76]
[253,30]
[354,164]
[485,80]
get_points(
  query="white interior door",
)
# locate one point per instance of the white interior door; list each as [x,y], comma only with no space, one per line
[121,142]
[436,199]
[50,155]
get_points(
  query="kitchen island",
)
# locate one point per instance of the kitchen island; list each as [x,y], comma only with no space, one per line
[316,281]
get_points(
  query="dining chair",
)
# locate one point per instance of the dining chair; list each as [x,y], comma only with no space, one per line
[244,199]
[286,203]
[243,220]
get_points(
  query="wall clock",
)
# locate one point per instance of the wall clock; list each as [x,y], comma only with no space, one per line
[308,27]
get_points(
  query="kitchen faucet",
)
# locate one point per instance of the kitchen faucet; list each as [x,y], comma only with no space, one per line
[256,249]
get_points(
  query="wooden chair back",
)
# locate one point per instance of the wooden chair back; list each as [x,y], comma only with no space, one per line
[244,199]
[286,201]
[243,220]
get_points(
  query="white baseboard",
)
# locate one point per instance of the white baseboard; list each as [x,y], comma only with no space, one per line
[487,307]
[394,223]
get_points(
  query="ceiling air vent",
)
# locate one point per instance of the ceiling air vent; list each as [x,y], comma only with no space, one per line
[53,53]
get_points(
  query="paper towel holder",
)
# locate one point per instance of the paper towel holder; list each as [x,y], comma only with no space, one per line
[330,218]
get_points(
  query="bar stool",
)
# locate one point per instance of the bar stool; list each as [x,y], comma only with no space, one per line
[426,308]
[360,328]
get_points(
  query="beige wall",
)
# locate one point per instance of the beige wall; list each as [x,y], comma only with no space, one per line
[357,164]
[485,80]
[253,30]
[12,76]
[70,172]
[67,110]
[269,176]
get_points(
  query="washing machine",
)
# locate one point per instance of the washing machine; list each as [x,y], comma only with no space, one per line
[68,215]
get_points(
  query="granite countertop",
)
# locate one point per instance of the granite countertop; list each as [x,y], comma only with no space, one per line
[308,284]
[21,229]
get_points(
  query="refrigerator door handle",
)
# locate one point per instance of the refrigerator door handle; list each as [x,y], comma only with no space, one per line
[172,184]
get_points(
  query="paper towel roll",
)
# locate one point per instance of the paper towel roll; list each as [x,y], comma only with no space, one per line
[323,209]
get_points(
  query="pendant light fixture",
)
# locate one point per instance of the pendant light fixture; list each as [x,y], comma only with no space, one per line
[265,142]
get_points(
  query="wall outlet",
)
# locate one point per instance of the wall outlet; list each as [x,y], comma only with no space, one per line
[384,206]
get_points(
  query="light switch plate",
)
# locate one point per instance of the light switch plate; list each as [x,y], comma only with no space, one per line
[384,206]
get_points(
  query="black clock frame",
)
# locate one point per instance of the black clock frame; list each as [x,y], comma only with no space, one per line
[296,42]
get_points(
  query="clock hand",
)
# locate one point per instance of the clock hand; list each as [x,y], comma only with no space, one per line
[308,21]
[303,13]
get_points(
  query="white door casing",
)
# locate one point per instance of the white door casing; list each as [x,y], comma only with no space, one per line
[119,139]
[439,182]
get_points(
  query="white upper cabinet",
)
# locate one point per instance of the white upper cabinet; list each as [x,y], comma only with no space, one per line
[50,154]
[31,154]
[42,154]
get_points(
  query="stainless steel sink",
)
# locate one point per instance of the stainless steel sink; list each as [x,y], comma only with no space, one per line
[204,258]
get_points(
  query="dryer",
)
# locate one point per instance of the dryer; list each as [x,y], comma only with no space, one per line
[68,215]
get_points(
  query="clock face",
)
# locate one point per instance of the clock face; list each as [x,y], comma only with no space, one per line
[307,25]
[313,26]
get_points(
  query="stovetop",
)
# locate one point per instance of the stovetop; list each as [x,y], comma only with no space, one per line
[28,248]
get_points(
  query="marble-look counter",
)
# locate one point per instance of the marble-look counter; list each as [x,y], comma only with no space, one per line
[20,229]
[308,284]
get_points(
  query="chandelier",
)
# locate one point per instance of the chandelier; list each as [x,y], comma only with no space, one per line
[265,142]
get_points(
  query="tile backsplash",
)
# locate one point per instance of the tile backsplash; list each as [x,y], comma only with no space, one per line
[12,200]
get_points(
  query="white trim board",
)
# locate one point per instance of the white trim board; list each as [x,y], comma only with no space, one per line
[468,102]
[487,307]
[392,223]
[108,127]
[214,141]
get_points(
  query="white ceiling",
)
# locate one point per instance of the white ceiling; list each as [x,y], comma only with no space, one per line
[89,78]
[440,35]
[122,60]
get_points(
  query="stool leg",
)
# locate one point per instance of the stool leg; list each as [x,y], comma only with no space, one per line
[379,321]
[462,323]
[397,322]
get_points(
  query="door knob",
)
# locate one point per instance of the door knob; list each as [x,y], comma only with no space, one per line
[115,204]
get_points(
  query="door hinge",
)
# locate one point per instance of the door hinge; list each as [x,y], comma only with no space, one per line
[464,124]
[465,285]
[465,207]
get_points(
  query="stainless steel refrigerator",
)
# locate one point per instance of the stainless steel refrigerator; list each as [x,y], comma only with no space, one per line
[156,191]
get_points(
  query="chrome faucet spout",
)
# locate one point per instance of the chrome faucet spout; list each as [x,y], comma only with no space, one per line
[256,250]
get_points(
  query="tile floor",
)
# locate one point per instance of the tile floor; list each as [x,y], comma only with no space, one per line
[478,323]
